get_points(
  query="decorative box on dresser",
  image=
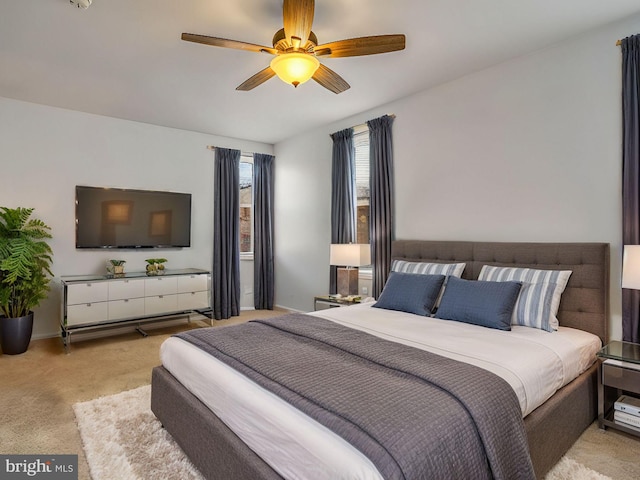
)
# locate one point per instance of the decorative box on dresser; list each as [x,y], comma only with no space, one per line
[91,302]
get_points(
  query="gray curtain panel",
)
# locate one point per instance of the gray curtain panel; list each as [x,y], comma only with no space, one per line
[631,175]
[382,199]
[263,274]
[225,281]
[343,194]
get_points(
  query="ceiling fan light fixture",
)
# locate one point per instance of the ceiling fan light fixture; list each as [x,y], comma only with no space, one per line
[295,47]
[295,68]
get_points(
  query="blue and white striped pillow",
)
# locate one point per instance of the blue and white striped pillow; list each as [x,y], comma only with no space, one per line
[426,268]
[423,268]
[539,297]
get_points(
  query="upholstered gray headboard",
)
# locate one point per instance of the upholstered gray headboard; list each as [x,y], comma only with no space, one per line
[585,301]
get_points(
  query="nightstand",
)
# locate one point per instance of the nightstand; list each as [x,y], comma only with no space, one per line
[619,373]
[322,302]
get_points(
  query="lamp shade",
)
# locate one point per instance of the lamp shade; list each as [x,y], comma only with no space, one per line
[295,68]
[631,267]
[350,254]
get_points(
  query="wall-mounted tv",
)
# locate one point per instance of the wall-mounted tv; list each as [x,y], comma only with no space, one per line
[123,218]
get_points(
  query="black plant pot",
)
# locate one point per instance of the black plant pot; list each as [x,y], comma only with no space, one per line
[15,334]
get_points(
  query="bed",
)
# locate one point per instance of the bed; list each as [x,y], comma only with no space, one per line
[551,428]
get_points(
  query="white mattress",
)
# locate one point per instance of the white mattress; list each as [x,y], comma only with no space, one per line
[535,363]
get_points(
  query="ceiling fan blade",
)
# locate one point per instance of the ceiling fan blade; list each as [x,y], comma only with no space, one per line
[354,47]
[330,80]
[226,43]
[258,79]
[297,17]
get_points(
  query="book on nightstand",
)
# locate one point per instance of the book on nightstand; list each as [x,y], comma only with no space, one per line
[626,419]
[628,405]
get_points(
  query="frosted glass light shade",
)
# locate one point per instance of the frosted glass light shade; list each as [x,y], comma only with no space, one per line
[295,68]
[350,254]
[631,267]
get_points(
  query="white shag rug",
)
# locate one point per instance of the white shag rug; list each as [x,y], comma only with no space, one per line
[568,469]
[122,438]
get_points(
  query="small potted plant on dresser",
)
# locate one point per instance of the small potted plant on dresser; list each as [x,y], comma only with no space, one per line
[116,267]
[25,270]
[155,266]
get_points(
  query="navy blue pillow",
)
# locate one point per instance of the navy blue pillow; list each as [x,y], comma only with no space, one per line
[411,293]
[489,304]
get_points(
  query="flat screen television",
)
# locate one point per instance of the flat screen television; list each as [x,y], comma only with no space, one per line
[124,218]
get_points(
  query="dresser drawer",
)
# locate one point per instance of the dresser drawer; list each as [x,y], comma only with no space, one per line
[126,308]
[192,283]
[161,304]
[89,292]
[193,301]
[121,289]
[620,377]
[160,286]
[86,313]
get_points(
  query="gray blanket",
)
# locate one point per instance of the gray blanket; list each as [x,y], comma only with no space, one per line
[414,414]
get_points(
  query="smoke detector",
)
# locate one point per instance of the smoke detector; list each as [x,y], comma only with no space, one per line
[84,4]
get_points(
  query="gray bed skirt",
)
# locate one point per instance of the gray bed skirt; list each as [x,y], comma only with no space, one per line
[210,444]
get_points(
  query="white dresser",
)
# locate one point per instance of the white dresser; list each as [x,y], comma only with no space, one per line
[96,301]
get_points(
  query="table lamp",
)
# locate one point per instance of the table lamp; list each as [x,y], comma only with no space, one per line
[351,256]
[631,267]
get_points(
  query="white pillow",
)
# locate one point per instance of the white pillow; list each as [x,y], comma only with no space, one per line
[424,268]
[539,298]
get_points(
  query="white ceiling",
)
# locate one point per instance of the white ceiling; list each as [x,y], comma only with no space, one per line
[125,59]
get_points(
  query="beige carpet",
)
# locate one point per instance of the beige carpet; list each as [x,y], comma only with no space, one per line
[123,439]
[40,386]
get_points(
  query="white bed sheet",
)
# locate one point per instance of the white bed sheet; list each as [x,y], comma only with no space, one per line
[533,362]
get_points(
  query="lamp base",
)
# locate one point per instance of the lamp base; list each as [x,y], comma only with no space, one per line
[347,281]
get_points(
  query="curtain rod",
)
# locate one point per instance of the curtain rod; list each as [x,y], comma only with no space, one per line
[618,43]
[392,115]
[242,153]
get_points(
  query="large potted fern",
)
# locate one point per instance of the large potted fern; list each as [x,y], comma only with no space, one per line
[25,270]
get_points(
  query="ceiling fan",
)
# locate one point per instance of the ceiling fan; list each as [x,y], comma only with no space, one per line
[296,50]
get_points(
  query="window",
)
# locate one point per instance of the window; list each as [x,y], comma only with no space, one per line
[246,206]
[361,144]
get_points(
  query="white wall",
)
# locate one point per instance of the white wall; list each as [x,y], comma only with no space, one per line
[301,224]
[45,152]
[528,150]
